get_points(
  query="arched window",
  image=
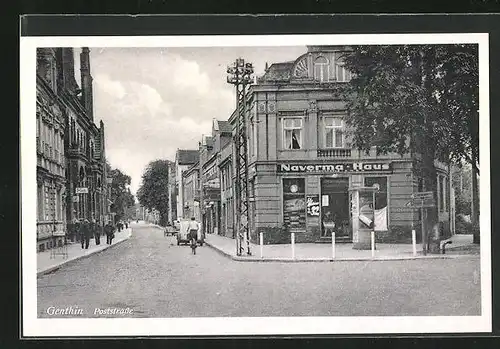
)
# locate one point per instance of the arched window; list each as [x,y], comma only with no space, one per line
[321,69]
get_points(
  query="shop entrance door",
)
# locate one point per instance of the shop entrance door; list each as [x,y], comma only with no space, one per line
[335,208]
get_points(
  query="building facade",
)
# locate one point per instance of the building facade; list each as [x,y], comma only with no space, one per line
[191,195]
[301,164]
[85,146]
[172,204]
[184,159]
[71,173]
[51,164]
[226,186]
[222,134]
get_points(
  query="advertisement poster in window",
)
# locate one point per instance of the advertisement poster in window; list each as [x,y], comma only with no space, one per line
[294,203]
[312,205]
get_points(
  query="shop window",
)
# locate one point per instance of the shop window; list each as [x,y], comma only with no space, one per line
[294,203]
[380,201]
[292,133]
[334,132]
[321,69]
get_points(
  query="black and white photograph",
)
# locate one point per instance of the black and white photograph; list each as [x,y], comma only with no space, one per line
[264,184]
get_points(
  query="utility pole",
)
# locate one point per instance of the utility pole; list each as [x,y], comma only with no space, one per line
[240,76]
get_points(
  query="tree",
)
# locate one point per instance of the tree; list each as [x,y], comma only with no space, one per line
[153,193]
[121,196]
[418,99]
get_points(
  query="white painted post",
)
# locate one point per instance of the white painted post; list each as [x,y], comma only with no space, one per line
[261,242]
[373,243]
[293,245]
[333,244]
[414,241]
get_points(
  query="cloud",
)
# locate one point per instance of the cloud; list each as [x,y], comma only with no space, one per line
[187,76]
[154,101]
[114,88]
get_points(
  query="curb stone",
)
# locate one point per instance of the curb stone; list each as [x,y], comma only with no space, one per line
[68,261]
[323,260]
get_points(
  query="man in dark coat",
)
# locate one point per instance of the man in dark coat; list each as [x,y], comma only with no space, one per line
[110,233]
[76,230]
[85,233]
[96,231]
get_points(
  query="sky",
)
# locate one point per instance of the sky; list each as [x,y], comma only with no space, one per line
[154,101]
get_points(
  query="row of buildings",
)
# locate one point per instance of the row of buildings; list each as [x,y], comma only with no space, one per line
[71,165]
[300,162]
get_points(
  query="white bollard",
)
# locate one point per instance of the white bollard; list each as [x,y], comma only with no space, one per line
[293,245]
[414,242]
[261,242]
[373,244]
[333,244]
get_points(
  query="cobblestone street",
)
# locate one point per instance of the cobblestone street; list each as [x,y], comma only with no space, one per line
[153,276]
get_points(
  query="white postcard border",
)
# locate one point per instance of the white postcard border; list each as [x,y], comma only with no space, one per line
[35,327]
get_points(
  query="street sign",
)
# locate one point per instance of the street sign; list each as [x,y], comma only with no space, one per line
[82,190]
[76,198]
[423,195]
[422,200]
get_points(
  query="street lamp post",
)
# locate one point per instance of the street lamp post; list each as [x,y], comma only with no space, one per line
[240,75]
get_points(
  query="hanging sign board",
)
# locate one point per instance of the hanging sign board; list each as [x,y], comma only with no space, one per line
[82,190]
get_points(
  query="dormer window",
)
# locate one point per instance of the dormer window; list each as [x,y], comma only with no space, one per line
[321,69]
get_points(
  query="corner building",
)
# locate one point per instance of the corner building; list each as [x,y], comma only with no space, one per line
[301,164]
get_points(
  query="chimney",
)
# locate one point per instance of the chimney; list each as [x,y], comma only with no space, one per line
[87,94]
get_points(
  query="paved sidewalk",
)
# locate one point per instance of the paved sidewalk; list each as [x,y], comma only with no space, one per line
[317,252]
[46,264]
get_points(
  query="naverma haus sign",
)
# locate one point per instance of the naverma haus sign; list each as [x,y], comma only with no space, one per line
[337,167]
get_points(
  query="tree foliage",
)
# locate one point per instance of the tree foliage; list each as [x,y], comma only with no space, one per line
[430,92]
[420,99]
[153,193]
[121,196]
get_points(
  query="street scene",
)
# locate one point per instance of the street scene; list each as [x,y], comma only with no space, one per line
[153,277]
[312,180]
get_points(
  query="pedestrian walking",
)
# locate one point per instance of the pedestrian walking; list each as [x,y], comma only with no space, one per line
[110,233]
[126,224]
[85,233]
[96,232]
[76,229]
[193,229]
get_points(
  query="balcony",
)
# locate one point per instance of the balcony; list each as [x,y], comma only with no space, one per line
[334,153]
